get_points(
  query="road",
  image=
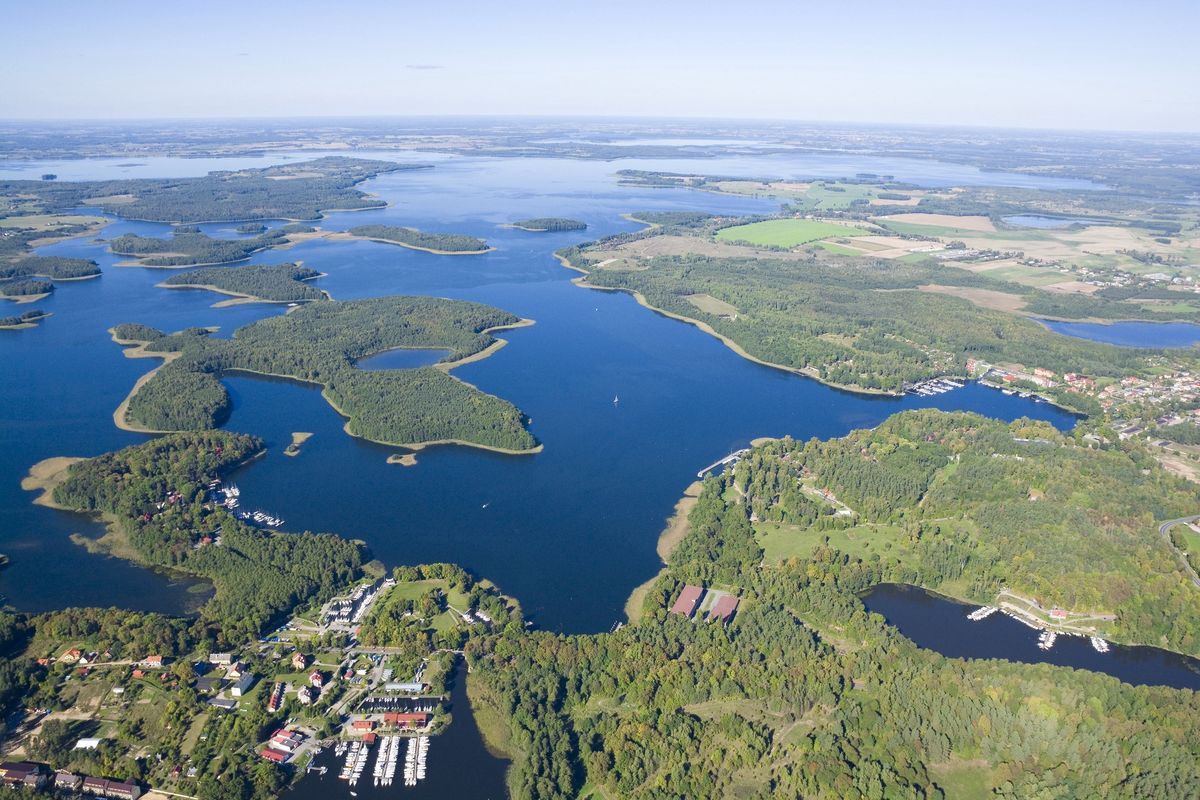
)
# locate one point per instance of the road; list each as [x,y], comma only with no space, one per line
[1164,531]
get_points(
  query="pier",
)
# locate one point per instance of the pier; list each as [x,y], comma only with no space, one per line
[732,458]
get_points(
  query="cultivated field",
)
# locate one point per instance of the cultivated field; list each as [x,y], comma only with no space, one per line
[788,232]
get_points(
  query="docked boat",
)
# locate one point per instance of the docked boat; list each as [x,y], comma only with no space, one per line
[1047,639]
[1099,644]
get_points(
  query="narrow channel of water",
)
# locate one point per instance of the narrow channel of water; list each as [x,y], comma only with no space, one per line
[938,623]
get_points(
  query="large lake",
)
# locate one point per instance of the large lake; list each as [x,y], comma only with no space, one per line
[569,531]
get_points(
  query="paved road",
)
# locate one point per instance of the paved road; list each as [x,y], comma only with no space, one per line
[1164,531]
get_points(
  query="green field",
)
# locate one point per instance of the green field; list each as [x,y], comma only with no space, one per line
[781,542]
[787,232]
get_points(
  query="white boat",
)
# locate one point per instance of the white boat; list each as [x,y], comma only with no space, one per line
[616,400]
[1047,640]
[982,613]
[1099,644]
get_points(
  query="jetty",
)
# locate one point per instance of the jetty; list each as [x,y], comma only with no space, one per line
[732,458]
[982,613]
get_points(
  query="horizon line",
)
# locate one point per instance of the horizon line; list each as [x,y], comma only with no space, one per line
[597,118]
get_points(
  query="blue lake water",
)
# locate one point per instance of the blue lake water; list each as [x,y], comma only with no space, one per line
[939,623]
[402,358]
[1131,334]
[569,531]
[1044,222]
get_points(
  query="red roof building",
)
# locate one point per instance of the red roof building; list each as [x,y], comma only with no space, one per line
[402,720]
[362,725]
[723,609]
[688,600]
[276,756]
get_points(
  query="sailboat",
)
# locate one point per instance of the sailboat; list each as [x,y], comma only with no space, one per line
[616,400]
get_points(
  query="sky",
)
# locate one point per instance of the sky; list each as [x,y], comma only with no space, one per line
[1048,64]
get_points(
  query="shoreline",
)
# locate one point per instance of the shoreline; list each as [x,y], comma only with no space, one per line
[136,349]
[346,236]
[806,372]
[25,299]
[672,534]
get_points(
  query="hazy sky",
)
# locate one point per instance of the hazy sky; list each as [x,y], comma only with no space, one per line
[1108,65]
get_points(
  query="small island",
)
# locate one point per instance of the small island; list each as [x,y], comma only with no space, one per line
[251,227]
[403,459]
[189,247]
[52,268]
[298,439]
[548,225]
[284,283]
[29,319]
[25,290]
[442,244]
[321,343]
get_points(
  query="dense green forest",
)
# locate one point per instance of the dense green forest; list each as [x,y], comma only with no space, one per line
[50,267]
[550,224]
[283,283]
[258,575]
[320,343]
[967,505]
[188,247]
[251,227]
[291,191]
[859,322]
[804,694]
[421,240]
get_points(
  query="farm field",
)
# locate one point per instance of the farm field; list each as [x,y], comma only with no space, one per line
[788,232]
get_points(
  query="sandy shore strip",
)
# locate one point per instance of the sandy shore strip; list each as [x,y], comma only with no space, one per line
[672,534]
[298,438]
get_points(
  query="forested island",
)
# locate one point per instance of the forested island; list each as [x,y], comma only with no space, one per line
[54,268]
[549,224]
[284,283]
[447,244]
[28,319]
[320,343]
[802,693]
[299,191]
[25,290]
[190,247]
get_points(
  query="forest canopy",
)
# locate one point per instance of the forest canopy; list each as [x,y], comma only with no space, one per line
[321,343]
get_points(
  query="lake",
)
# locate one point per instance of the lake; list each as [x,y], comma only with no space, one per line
[939,623]
[569,531]
[1131,334]
[1043,222]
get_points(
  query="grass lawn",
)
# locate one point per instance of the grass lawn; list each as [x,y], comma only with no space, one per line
[963,780]
[781,542]
[786,232]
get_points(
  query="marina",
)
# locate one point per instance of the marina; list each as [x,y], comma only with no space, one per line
[934,386]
